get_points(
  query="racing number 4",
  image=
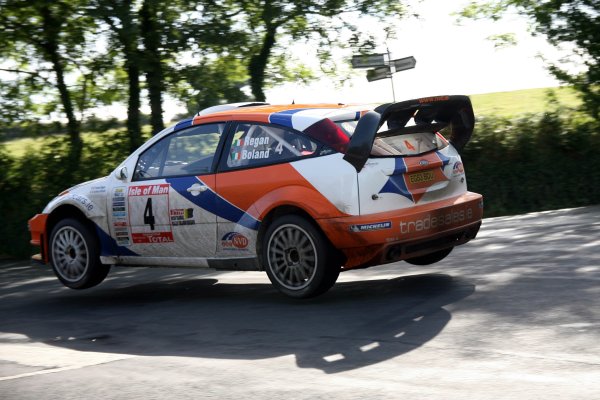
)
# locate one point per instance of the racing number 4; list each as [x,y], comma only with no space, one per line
[279,148]
[148,215]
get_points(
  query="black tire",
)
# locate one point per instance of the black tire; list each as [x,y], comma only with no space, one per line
[75,255]
[430,258]
[298,258]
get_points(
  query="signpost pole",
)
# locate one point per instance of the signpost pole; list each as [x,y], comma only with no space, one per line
[392,71]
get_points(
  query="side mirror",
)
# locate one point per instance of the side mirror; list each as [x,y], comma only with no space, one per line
[122,173]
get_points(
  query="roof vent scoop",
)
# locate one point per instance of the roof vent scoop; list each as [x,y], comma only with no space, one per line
[230,106]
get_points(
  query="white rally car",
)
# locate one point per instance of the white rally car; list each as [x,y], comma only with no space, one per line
[301,191]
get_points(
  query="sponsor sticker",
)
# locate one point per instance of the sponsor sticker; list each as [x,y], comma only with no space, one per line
[433,99]
[375,226]
[437,219]
[409,145]
[149,190]
[97,189]
[182,216]
[148,212]
[458,168]
[152,237]
[119,213]
[234,241]
[84,201]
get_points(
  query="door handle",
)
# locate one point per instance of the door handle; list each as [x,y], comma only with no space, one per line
[197,188]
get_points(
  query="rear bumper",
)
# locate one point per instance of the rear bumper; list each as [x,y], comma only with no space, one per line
[381,238]
[37,228]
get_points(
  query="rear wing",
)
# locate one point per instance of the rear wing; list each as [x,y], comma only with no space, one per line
[430,114]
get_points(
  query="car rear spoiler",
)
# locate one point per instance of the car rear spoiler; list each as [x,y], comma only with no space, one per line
[431,114]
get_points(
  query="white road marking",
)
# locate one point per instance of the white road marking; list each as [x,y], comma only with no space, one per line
[52,359]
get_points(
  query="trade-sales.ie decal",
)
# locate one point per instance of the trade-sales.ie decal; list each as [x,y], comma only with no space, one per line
[234,241]
[376,226]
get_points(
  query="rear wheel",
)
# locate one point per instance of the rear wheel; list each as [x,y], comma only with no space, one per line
[75,255]
[430,258]
[299,260]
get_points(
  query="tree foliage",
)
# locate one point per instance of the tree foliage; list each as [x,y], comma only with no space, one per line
[44,40]
[571,23]
[64,57]
[325,23]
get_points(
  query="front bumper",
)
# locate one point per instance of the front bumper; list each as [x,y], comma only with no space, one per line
[37,228]
[386,237]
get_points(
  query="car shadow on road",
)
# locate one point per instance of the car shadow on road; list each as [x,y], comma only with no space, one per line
[354,325]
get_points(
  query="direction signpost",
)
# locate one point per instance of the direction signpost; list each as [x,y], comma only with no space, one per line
[368,60]
[405,63]
[382,66]
[378,73]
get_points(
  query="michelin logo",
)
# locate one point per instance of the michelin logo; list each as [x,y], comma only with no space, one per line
[371,227]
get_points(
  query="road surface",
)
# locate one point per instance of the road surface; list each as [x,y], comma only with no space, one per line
[513,314]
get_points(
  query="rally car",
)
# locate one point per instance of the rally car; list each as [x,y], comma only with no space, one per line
[302,192]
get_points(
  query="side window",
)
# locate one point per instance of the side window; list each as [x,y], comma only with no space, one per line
[187,152]
[262,144]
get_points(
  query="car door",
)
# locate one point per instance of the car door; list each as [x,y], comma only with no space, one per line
[167,210]
[255,162]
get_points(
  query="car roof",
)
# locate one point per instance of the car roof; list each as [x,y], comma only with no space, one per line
[297,116]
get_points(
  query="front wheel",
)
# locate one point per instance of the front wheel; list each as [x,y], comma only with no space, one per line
[299,260]
[75,255]
[429,258]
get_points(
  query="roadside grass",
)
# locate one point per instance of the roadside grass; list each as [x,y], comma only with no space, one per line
[502,104]
[528,101]
[19,147]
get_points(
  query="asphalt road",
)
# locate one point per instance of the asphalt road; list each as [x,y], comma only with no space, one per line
[513,314]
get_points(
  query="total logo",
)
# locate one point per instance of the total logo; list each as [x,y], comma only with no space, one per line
[234,241]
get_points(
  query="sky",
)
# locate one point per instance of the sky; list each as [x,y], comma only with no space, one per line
[451,59]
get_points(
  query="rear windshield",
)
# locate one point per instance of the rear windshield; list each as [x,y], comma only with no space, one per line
[388,144]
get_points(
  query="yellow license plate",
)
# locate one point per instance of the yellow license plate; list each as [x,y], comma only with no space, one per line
[420,177]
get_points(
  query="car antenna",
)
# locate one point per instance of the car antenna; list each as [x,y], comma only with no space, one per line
[293,101]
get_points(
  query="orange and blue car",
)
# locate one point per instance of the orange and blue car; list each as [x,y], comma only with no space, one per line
[302,192]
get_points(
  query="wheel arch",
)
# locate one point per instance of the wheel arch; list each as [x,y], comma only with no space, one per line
[61,212]
[288,209]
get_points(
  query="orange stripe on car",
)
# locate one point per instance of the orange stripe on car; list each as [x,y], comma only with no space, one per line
[279,185]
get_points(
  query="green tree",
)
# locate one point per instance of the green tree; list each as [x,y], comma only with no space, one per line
[322,21]
[150,31]
[574,23]
[121,17]
[152,36]
[39,40]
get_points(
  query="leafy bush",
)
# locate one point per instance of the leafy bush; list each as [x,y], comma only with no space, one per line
[534,163]
[538,162]
[28,183]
